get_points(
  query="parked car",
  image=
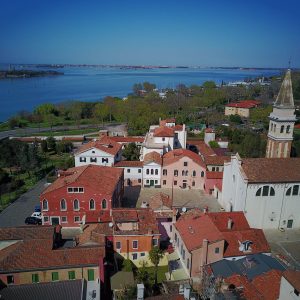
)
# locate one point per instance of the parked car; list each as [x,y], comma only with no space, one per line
[33,221]
[37,215]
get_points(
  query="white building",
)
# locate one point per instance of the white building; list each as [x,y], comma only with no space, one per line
[133,172]
[164,137]
[152,170]
[290,285]
[102,152]
[266,190]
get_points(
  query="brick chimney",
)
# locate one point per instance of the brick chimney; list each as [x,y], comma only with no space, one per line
[229,223]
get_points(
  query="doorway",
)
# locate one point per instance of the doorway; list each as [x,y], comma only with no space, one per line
[151,182]
[54,220]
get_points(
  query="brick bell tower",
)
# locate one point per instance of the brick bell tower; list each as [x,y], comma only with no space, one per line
[282,121]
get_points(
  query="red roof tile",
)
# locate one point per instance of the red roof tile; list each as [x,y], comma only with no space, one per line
[214,175]
[159,200]
[129,163]
[293,277]
[244,104]
[271,170]
[177,154]
[202,148]
[102,179]
[163,131]
[127,139]
[152,157]
[105,144]
[216,160]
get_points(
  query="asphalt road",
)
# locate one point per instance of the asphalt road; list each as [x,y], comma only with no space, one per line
[16,213]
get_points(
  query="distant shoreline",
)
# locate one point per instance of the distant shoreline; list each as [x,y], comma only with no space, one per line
[14,74]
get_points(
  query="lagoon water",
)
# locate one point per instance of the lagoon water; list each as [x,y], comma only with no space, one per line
[94,83]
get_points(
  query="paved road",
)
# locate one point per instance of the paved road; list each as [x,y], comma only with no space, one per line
[15,214]
[29,131]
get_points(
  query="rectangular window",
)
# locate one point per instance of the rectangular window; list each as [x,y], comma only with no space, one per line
[80,190]
[295,190]
[82,159]
[134,244]
[171,228]
[265,190]
[93,159]
[217,250]
[70,190]
[46,219]
[185,163]
[142,254]
[64,219]
[35,278]
[10,279]
[54,276]
[188,263]
[165,172]
[134,256]
[104,160]
[118,245]
[156,181]
[76,219]
[139,180]
[183,254]
[75,189]
[147,171]
[147,181]
[164,182]
[175,237]
[139,170]
[155,242]
[175,182]
[71,275]
[91,274]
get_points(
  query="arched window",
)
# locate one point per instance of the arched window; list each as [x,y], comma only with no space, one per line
[156,171]
[45,205]
[165,172]
[175,172]
[288,129]
[186,173]
[104,204]
[194,173]
[272,192]
[281,128]
[182,173]
[202,174]
[295,190]
[76,204]
[288,192]
[152,171]
[92,204]
[63,204]
[258,193]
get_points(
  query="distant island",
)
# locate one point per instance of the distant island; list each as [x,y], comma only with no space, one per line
[27,74]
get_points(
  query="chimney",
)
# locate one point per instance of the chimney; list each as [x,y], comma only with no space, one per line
[187,291]
[204,252]
[229,223]
[140,291]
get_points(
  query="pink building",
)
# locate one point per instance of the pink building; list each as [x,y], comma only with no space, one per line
[183,169]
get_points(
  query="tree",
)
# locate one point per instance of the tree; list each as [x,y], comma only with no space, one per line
[149,87]
[155,256]
[131,152]
[136,88]
[127,265]
[44,146]
[51,143]
[235,119]
[101,111]
[214,144]
[45,109]
[209,84]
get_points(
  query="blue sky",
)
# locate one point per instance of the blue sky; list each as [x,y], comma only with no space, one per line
[261,33]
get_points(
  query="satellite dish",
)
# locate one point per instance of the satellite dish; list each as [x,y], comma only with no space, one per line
[111,224]
[183,209]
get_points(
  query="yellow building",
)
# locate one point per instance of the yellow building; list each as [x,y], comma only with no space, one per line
[241,108]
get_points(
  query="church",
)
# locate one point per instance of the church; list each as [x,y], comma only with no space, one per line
[267,189]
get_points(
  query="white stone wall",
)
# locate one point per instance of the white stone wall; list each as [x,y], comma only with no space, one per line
[148,178]
[94,153]
[134,174]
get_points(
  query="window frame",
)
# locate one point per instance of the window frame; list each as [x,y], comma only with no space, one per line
[91,274]
[102,205]
[35,278]
[47,205]
[56,275]
[94,204]
[78,205]
[137,244]
[118,243]
[63,200]
[72,275]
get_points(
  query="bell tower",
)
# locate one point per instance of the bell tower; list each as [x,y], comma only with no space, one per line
[282,120]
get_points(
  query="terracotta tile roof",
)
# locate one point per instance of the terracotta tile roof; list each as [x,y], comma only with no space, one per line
[105,144]
[73,138]
[202,148]
[271,170]
[94,234]
[163,131]
[152,157]
[129,163]
[145,218]
[216,160]
[101,179]
[214,175]
[33,252]
[244,104]
[293,277]
[26,233]
[177,154]
[159,200]
[127,139]
[263,287]
[164,122]
[178,127]
[194,227]
[93,216]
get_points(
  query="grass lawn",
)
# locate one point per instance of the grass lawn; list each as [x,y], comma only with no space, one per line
[66,132]
[160,274]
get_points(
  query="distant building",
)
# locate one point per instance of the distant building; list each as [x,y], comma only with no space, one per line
[267,190]
[102,152]
[152,169]
[241,108]
[80,193]
[282,121]
[133,172]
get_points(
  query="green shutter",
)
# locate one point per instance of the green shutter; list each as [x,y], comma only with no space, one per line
[35,278]
[54,276]
[91,275]
[71,275]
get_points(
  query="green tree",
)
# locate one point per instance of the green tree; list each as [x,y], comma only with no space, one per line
[136,88]
[51,143]
[101,111]
[127,265]
[155,255]
[214,144]
[149,87]
[235,119]
[209,84]
[44,146]
[131,152]
[45,109]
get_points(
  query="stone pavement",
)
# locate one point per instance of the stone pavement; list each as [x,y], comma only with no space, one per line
[16,213]
[286,244]
[181,198]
